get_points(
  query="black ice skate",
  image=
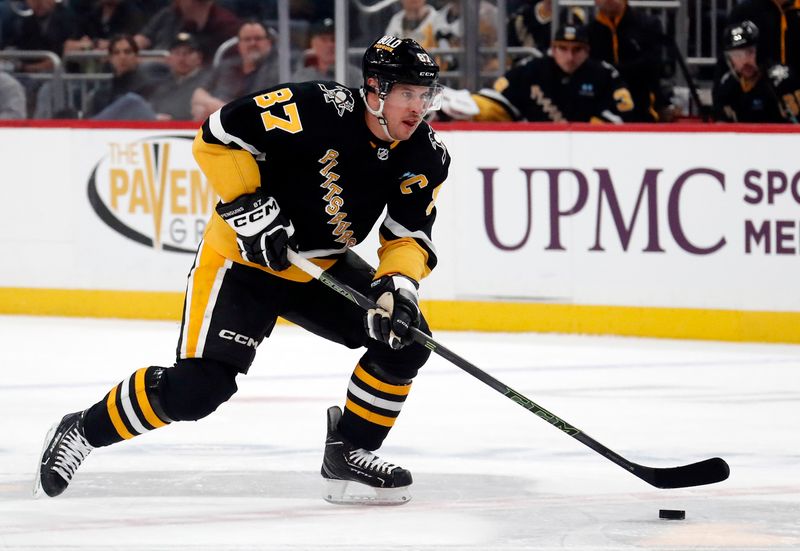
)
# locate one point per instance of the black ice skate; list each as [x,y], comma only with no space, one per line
[65,448]
[355,475]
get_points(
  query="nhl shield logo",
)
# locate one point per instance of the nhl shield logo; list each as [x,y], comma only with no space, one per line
[383,153]
[340,97]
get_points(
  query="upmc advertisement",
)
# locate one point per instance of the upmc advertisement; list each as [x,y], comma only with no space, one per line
[530,214]
[702,220]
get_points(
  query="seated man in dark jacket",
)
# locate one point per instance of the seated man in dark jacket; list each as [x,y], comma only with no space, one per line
[255,67]
[172,100]
[566,86]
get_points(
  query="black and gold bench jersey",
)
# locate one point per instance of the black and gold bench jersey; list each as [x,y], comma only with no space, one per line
[540,91]
[774,97]
[308,145]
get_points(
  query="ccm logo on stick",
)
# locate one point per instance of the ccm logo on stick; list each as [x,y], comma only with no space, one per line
[237,338]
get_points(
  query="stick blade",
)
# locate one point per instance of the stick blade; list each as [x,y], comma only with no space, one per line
[705,472]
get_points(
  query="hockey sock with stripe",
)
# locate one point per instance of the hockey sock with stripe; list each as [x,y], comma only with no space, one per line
[374,401]
[129,409]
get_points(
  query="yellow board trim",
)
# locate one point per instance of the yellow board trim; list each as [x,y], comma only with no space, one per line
[368,415]
[444,315]
[153,305]
[636,321]
[113,412]
[377,384]
[144,403]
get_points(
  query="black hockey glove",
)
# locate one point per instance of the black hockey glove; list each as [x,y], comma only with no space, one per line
[263,233]
[397,311]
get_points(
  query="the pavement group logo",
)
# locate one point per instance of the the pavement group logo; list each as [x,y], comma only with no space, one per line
[151,191]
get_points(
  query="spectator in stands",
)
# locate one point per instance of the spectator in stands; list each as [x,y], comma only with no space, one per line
[255,68]
[319,60]
[564,86]
[172,99]
[50,25]
[416,20]
[530,24]
[779,24]
[749,92]
[130,79]
[104,19]
[210,24]
[449,30]
[632,42]
[12,98]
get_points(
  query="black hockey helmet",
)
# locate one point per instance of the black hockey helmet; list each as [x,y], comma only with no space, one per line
[740,35]
[390,60]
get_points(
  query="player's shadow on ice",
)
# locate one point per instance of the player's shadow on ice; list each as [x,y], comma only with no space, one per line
[266,484]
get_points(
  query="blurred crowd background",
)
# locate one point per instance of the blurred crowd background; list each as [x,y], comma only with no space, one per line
[183,59]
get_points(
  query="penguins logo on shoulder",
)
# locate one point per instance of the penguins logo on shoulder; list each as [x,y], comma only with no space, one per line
[436,143]
[340,97]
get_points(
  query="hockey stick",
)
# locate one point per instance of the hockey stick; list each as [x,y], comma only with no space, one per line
[673,47]
[695,474]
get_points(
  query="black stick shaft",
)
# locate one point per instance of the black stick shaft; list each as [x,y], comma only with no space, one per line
[704,472]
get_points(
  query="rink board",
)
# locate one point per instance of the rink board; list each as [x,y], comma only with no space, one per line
[680,233]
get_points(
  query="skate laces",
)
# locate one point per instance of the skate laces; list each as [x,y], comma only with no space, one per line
[71,452]
[368,460]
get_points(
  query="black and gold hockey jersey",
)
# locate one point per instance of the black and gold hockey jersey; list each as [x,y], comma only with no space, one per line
[540,91]
[774,97]
[308,145]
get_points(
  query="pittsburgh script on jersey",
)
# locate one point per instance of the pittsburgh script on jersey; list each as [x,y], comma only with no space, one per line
[334,201]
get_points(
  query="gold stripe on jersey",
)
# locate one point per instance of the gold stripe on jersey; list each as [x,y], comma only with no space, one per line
[380,386]
[144,402]
[113,412]
[199,293]
[490,110]
[369,416]
[402,256]
[231,172]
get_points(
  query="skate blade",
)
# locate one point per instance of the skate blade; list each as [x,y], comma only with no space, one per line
[347,492]
[37,481]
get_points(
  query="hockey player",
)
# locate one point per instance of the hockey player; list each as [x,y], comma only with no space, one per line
[563,86]
[308,166]
[749,92]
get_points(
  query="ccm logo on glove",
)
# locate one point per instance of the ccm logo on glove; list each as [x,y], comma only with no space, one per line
[265,208]
[263,232]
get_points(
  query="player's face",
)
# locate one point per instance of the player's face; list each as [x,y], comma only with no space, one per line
[406,106]
[570,55]
[743,61]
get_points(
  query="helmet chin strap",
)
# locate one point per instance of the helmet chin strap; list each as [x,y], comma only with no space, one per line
[378,114]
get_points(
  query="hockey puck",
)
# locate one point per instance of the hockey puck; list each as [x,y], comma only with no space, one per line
[672,514]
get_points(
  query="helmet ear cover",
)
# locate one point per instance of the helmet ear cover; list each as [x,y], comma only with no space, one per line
[384,85]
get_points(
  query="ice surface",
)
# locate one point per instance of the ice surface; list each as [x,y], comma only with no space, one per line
[488,474]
